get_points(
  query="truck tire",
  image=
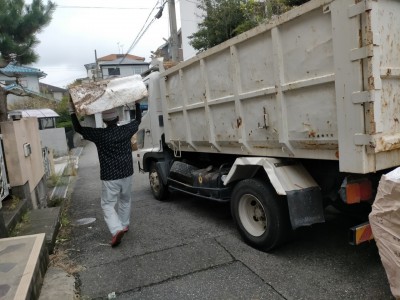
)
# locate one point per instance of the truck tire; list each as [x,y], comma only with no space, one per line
[261,216]
[159,190]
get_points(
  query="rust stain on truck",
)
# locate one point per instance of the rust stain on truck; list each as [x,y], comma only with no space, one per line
[387,143]
[239,122]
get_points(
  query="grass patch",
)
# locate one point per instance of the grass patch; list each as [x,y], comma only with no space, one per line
[57,180]
[13,203]
[64,234]
[53,180]
[70,168]
[64,180]
[55,202]
[25,219]
[64,219]
[60,257]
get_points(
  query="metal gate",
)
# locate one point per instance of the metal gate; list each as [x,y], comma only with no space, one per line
[4,186]
[46,161]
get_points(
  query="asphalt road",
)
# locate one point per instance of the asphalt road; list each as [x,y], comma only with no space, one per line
[189,248]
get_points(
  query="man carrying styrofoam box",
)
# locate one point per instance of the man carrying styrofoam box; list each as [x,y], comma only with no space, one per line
[95,97]
[113,143]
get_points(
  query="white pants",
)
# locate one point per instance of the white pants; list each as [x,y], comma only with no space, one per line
[116,192]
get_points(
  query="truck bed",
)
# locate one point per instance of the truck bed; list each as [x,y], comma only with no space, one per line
[321,81]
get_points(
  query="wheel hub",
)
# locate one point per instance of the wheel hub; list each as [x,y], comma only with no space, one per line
[154,181]
[258,212]
[252,215]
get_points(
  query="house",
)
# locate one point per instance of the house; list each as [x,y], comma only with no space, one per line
[21,80]
[46,117]
[116,65]
[165,51]
[191,16]
[54,92]
[50,136]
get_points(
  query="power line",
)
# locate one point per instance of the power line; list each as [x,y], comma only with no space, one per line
[143,30]
[130,48]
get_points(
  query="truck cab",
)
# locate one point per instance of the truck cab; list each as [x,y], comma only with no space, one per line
[152,153]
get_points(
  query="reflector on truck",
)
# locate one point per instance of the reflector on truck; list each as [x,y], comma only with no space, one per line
[360,234]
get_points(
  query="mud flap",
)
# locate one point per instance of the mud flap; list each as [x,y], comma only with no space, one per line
[305,207]
[163,168]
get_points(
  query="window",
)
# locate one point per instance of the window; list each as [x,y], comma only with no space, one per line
[113,71]
[45,123]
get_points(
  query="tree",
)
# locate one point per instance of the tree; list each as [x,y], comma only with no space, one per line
[224,19]
[254,13]
[220,19]
[19,24]
[62,109]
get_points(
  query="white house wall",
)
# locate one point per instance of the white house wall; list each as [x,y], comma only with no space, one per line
[125,70]
[57,96]
[30,82]
[190,17]
[55,139]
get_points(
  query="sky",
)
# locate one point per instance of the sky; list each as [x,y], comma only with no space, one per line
[81,27]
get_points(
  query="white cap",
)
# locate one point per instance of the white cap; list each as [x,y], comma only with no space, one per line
[109,115]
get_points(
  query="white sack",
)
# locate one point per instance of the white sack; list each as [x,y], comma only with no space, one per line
[385,224]
[95,97]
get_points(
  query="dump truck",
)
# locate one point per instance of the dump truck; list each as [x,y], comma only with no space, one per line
[282,121]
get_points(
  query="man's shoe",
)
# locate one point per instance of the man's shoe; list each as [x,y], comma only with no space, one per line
[116,239]
[126,229]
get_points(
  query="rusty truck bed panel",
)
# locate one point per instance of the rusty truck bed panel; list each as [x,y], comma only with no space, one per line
[321,81]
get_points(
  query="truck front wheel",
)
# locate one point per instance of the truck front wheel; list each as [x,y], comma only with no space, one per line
[260,215]
[159,190]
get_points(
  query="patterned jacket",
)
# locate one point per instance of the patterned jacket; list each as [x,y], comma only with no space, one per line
[113,147]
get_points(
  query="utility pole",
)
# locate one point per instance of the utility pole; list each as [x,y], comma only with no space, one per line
[97,71]
[174,32]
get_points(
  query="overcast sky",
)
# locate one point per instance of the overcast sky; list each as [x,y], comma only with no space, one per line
[79,27]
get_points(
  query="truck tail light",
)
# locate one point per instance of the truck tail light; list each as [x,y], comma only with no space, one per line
[358,191]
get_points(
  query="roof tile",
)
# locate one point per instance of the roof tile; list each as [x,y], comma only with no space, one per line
[116,56]
[14,68]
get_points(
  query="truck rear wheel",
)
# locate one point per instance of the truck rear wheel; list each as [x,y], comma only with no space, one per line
[159,190]
[260,215]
